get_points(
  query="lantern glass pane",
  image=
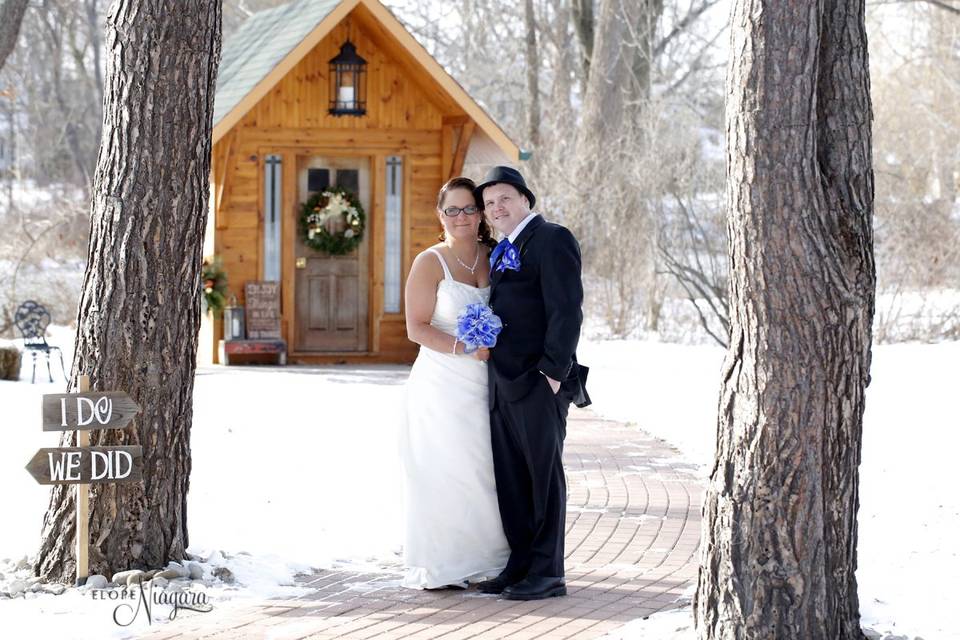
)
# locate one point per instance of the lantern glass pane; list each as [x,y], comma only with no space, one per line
[348,76]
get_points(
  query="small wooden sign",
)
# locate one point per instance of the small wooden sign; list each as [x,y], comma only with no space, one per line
[87,465]
[262,310]
[86,411]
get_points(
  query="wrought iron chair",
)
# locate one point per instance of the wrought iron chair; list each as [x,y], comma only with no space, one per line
[32,319]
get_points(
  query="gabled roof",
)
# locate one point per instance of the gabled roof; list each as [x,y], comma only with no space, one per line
[270,43]
[259,45]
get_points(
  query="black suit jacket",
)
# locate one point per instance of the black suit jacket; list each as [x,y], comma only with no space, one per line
[540,306]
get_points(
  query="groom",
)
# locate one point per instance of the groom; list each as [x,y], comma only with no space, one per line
[534,376]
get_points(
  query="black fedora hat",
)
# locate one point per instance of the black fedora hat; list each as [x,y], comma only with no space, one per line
[505,175]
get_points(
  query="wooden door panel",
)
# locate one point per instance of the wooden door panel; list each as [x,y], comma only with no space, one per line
[331,291]
[318,303]
[347,304]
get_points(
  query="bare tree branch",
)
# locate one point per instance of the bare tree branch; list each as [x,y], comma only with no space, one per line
[940,4]
[692,15]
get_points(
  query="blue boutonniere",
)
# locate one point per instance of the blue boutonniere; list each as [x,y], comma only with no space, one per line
[478,326]
[510,260]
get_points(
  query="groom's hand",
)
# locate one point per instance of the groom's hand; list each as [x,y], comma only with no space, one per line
[554,384]
[482,354]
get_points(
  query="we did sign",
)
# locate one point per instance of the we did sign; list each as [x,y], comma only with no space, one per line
[84,465]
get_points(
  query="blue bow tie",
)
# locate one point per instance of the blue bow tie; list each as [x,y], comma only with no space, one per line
[498,251]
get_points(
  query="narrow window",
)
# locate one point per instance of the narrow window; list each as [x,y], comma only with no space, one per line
[394,235]
[271,219]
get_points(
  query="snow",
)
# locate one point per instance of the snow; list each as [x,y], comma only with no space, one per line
[302,475]
[78,613]
[909,517]
[321,472]
[28,195]
[675,624]
[917,315]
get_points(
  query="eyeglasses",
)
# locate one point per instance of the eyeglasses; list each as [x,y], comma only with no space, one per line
[453,212]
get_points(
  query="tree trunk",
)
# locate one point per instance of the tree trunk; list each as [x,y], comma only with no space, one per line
[559,116]
[139,310]
[944,44]
[620,70]
[778,549]
[11,15]
[54,28]
[92,15]
[533,75]
[603,102]
[583,24]
[645,35]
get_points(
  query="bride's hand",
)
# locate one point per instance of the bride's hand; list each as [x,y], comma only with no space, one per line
[482,354]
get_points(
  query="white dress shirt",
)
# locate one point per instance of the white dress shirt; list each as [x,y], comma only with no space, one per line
[516,232]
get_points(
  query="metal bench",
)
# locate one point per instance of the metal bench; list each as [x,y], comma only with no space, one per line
[32,319]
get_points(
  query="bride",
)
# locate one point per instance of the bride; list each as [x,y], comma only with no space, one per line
[453,530]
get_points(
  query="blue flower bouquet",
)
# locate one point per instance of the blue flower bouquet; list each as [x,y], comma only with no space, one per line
[478,327]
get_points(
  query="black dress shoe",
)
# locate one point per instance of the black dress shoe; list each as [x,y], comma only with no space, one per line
[535,588]
[497,585]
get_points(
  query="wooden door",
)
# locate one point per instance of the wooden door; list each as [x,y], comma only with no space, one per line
[331,291]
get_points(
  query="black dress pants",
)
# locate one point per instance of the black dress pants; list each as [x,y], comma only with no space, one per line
[527,438]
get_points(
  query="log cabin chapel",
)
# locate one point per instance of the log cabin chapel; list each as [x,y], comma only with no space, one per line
[321,94]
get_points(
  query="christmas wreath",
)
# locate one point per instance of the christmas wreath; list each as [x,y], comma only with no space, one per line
[332,221]
[214,284]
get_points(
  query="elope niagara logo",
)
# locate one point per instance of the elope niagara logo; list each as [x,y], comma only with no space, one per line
[125,613]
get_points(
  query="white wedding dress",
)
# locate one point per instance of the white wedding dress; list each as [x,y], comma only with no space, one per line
[452,521]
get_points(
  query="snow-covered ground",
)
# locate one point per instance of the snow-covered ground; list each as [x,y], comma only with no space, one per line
[909,519]
[292,469]
[322,489]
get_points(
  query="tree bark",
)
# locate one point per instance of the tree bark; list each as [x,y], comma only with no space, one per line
[583,24]
[11,15]
[533,75]
[944,43]
[644,36]
[139,310]
[603,103]
[92,15]
[559,116]
[779,541]
[54,27]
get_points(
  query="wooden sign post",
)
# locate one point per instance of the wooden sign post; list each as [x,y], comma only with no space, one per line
[83,465]
[83,499]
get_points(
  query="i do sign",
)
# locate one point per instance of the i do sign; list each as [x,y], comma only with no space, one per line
[83,464]
[90,410]
[86,465]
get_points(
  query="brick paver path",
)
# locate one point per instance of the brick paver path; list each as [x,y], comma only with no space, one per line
[633,522]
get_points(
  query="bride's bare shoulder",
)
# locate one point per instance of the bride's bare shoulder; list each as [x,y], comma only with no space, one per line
[426,265]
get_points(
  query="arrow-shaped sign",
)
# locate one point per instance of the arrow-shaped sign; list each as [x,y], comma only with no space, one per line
[89,410]
[87,465]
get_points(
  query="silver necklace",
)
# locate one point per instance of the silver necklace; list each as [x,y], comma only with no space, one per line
[475,260]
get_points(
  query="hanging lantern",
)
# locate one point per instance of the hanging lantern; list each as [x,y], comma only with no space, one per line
[348,82]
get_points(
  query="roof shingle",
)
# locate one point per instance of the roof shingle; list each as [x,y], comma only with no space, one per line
[259,45]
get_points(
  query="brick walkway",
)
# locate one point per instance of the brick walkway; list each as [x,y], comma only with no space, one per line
[633,522]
